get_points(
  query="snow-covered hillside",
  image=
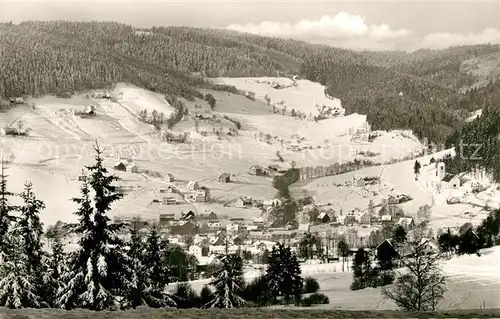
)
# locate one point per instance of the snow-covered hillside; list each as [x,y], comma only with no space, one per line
[302,95]
[61,141]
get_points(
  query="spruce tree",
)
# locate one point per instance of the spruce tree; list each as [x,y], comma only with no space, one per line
[52,278]
[228,283]
[362,270]
[18,287]
[6,217]
[284,274]
[29,229]
[154,273]
[99,271]
[135,295]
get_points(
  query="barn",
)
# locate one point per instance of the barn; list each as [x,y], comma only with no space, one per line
[225,178]
[120,166]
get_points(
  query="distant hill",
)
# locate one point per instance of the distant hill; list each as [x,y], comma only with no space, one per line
[396,90]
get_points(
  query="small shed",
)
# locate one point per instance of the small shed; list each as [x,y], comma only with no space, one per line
[225,178]
[120,166]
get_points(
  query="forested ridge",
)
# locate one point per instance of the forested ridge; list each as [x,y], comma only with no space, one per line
[396,90]
[477,143]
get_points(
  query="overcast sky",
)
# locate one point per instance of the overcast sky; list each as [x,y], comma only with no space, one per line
[352,24]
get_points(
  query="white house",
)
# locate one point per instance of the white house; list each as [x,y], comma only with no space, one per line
[214,223]
[195,250]
[406,222]
[193,185]
[386,218]
[363,218]
[232,228]
[243,202]
[272,202]
[452,181]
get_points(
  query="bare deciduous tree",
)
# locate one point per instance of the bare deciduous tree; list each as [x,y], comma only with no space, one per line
[422,285]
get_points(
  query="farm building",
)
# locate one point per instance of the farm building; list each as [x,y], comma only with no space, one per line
[363,218]
[169,189]
[323,218]
[193,185]
[16,100]
[209,215]
[169,201]
[406,222]
[132,168]
[256,170]
[225,178]
[101,95]
[188,216]
[386,218]
[452,181]
[120,166]
[243,202]
[169,178]
[199,196]
[272,202]
[214,224]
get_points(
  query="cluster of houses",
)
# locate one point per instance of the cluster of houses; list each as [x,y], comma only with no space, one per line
[270,170]
[126,166]
[193,192]
[218,233]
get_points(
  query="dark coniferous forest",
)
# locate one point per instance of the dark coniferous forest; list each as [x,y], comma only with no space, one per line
[396,90]
[426,91]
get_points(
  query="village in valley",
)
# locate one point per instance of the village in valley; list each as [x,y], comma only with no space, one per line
[234,181]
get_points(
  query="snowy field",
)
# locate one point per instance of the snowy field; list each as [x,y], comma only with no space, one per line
[472,282]
[303,97]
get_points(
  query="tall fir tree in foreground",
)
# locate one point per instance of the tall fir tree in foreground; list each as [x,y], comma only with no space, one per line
[6,210]
[284,274]
[18,288]
[56,262]
[136,294]
[228,283]
[99,271]
[30,230]
[150,274]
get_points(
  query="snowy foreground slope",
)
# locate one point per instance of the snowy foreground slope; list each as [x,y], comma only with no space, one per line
[472,282]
